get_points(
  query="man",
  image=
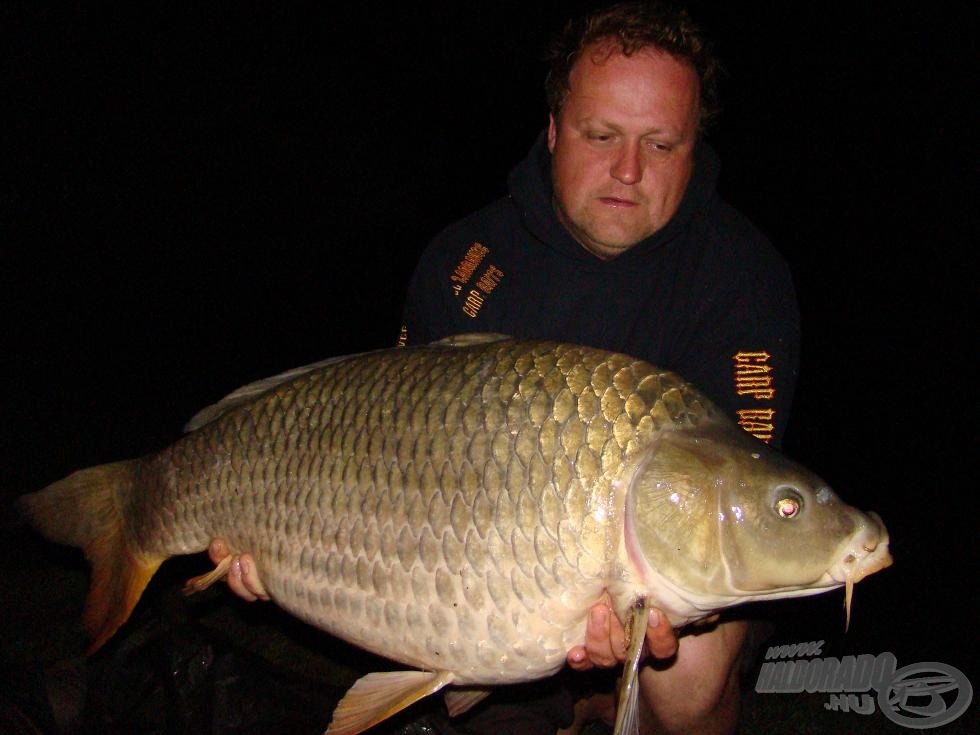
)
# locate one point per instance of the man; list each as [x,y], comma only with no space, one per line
[613,236]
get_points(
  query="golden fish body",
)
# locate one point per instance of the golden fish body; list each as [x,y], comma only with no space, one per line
[453,507]
[460,506]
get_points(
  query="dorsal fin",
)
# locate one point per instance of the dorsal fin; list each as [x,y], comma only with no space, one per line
[249,392]
[468,339]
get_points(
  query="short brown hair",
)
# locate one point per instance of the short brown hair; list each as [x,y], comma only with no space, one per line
[635,26]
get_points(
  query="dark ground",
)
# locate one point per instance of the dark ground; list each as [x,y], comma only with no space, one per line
[200,196]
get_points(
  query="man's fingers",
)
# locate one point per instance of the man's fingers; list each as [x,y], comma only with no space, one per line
[243,577]
[217,550]
[661,638]
[236,583]
[604,637]
[250,577]
[244,580]
[598,648]
[597,643]
[578,659]
[617,639]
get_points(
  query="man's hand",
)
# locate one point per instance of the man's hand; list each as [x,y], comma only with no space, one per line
[243,578]
[605,638]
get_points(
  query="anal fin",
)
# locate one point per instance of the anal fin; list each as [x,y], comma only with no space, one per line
[378,696]
[461,700]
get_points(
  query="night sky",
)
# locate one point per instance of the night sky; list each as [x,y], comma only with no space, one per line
[203,195]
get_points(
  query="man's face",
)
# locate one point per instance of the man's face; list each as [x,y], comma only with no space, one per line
[623,147]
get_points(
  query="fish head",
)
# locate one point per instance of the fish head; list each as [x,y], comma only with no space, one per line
[719,518]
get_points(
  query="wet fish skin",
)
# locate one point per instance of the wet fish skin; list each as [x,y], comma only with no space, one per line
[459,507]
[424,498]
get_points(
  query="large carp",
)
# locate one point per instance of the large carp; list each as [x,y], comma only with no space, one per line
[460,506]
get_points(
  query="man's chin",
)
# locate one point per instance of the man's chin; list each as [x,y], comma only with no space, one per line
[610,244]
[606,250]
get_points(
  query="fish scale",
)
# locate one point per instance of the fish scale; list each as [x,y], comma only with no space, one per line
[461,506]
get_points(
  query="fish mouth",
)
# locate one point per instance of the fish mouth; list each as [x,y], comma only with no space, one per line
[866,552]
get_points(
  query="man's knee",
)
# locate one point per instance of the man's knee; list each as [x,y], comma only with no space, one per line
[699,692]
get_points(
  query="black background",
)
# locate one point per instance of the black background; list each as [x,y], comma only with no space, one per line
[203,195]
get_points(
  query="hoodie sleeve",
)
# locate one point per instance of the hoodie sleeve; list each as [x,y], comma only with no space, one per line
[421,313]
[431,311]
[461,260]
[743,348]
[741,342]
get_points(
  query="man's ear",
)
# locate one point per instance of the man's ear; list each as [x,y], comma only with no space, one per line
[552,132]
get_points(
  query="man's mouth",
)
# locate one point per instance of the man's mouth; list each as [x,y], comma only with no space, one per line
[617,202]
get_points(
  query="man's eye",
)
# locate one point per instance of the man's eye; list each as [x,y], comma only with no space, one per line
[600,137]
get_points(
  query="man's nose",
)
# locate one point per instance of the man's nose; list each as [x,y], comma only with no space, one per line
[627,168]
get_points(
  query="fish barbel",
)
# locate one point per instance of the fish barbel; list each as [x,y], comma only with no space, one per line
[460,506]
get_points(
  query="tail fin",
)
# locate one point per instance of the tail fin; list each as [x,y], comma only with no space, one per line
[86,509]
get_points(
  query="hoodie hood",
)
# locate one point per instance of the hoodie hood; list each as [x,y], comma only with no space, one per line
[530,189]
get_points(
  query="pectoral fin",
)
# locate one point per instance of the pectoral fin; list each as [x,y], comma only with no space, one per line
[627,722]
[378,696]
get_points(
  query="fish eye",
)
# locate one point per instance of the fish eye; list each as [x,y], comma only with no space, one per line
[788,504]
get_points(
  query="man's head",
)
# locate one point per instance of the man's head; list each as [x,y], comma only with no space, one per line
[629,89]
[633,26]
